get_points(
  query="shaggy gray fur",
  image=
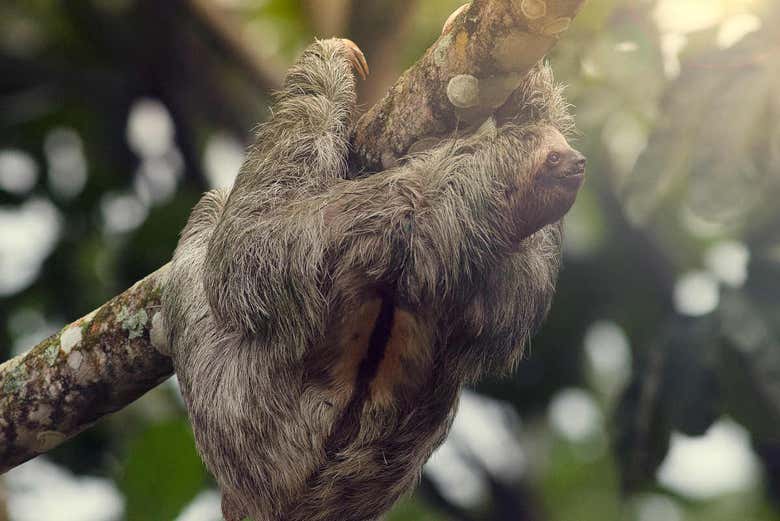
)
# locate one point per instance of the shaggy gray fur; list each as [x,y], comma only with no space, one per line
[322,328]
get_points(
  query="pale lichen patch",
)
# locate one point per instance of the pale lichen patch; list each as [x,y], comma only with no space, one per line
[50,354]
[533,9]
[70,338]
[441,50]
[75,359]
[158,334]
[556,27]
[133,323]
[388,159]
[463,91]
[15,378]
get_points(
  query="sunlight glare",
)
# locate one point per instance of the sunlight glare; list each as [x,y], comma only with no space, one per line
[737,27]
[717,463]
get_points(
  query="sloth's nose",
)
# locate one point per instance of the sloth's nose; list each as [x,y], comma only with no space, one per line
[579,161]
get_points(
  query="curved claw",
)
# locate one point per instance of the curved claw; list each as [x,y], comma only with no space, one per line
[356,57]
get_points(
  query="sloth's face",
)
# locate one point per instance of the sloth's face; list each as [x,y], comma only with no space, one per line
[557,175]
[560,167]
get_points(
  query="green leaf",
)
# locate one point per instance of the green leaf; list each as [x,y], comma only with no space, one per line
[412,509]
[162,472]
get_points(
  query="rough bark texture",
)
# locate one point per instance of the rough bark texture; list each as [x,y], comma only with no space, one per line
[476,64]
[105,360]
[92,367]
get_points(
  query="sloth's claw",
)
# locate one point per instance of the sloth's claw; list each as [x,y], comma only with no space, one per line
[356,57]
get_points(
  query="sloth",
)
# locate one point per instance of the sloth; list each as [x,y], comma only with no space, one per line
[322,327]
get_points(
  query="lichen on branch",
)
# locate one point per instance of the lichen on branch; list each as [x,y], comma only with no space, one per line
[92,367]
[481,57]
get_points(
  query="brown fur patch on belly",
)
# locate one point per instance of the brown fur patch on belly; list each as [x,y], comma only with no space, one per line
[403,358]
[406,359]
[353,346]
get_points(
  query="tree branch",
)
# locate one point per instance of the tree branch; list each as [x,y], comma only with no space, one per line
[92,367]
[468,73]
[105,360]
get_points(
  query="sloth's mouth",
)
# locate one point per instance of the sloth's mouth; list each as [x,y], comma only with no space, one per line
[568,177]
[572,178]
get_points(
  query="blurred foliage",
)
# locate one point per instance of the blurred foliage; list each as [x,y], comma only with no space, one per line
[667,316]
[161,472]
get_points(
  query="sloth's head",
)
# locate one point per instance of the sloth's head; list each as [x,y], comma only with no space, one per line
[558,166]
[550,180]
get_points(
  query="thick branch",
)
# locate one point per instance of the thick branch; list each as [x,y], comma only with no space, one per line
[468,73]
[104,361]
[92,367]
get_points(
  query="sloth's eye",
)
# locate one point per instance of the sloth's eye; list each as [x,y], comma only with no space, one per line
[553,158]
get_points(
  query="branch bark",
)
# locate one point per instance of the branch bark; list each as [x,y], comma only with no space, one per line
[107,359]
[468,73]
[92,367]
